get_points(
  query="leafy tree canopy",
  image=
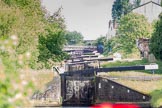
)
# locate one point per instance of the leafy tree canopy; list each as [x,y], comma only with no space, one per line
[52,41]
[136,3]
[123,7]
[56,21]
[74,37]
[131,27]
[20,23]
[25,19]
[50,48]
[156,39]
[101,40]
[110,45]
[119,8]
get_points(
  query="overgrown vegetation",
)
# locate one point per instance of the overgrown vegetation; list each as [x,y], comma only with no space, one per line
[132,27]
[156,98]
[13,88]
[50,48]
[51,43]
[74,38]
[21,24]
[156,49]
[156,39]
[25,20]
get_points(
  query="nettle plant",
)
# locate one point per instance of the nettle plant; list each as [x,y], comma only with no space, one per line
[13,88]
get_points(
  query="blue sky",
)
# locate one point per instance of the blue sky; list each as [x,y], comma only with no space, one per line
[89,17]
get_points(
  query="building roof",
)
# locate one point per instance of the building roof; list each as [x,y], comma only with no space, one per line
[147,3]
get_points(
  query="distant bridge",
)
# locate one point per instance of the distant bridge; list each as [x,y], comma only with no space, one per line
[72,47]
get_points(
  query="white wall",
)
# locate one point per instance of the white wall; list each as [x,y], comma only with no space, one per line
[151,11]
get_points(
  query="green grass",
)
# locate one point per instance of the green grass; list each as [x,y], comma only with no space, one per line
[156,98]
[126,63]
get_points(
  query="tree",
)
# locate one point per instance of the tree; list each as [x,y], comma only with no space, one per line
[131,27]
[56,21]
[100,40]
[156,39]
[136,3]
[50,48]
[25,19]
[20,23]
[110,45]
[51,43]
[119,8]
[73,37]
[100,43]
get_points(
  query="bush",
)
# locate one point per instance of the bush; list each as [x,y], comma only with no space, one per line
[156,40]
